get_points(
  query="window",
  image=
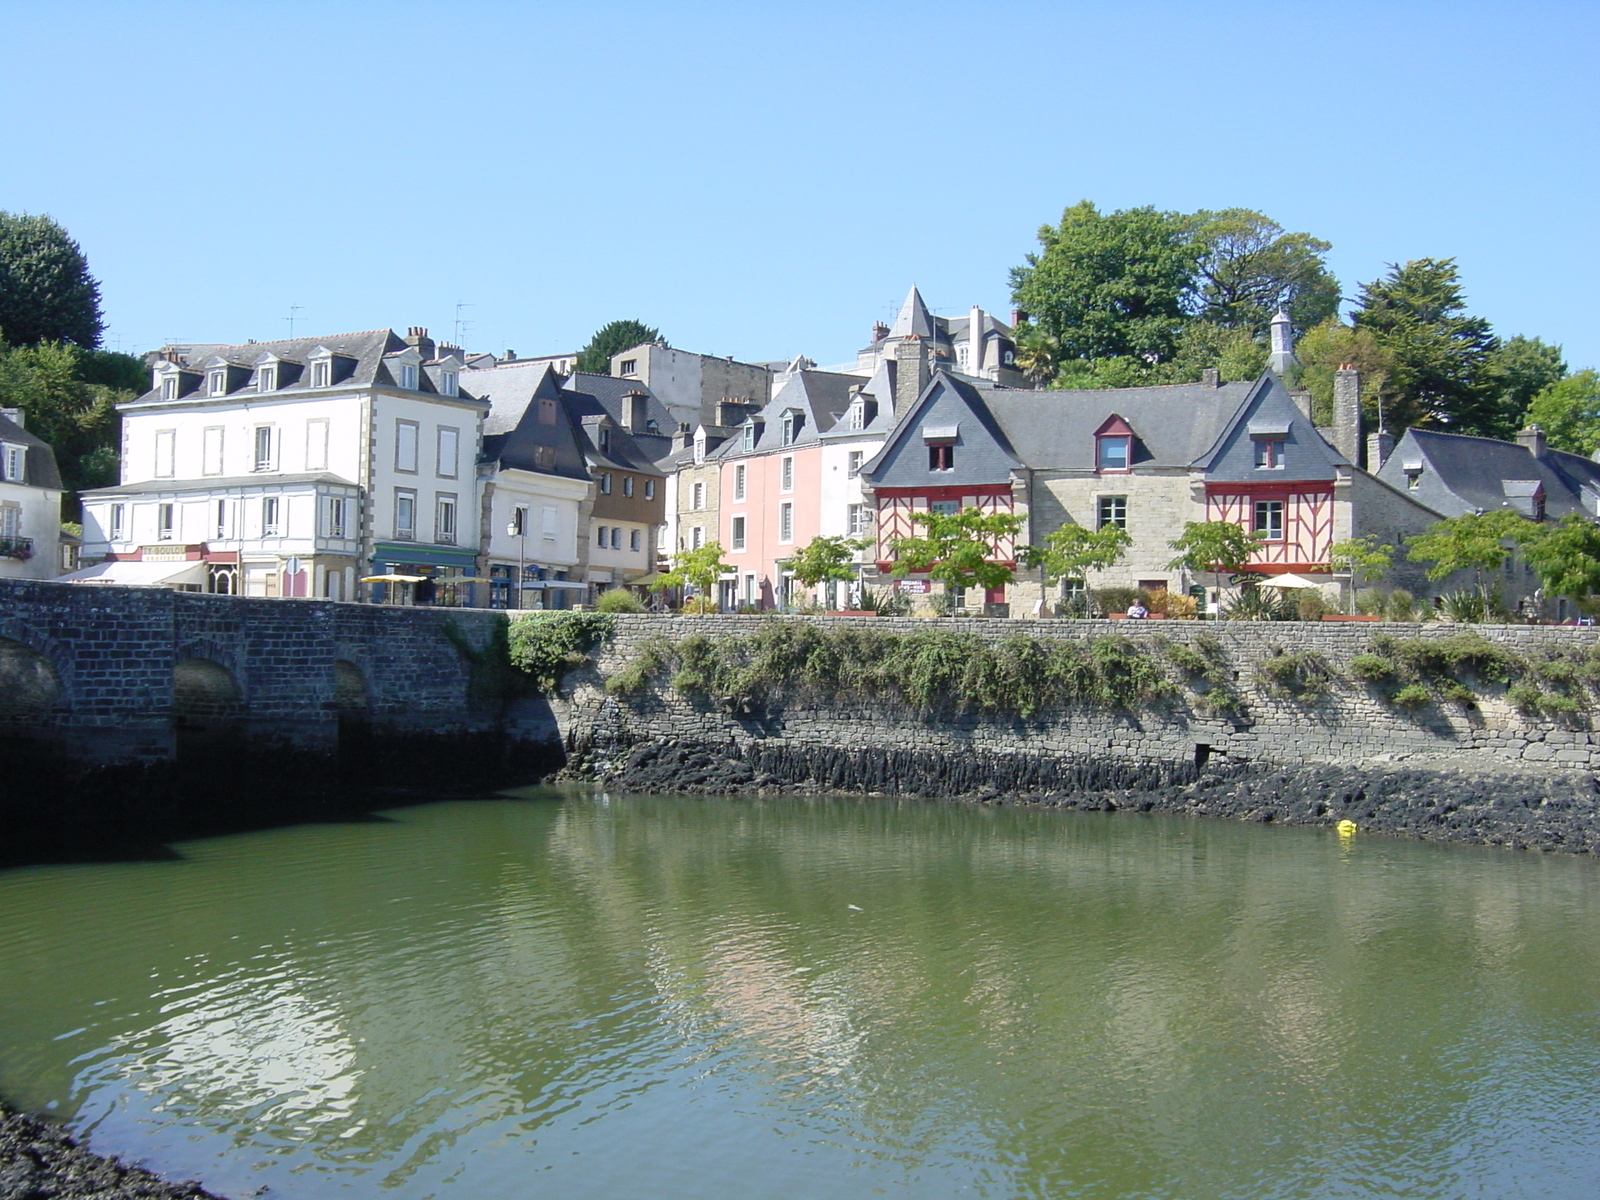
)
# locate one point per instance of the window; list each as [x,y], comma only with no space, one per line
[945,508]
[164,522]
[1269,453]
[854,466]
[1413,480]
[738,482]
[736,533]
[697,496]
[700,446]
[336,511]
[792,424]
[634,540]
[857,519]
[629,366]
[211,450]
[649,489]
[221,528]
[408,377]
[547,412]
[616,537]
[263,459]
[266,379]
[786,475]
[317,444]
[942,458]
[165,442]
[405,516]
[1111,453]
[444,521]
[118,521]
[16,460]
[1269,519]
[169,388]
[270,509]
[605,439]
[605,483]
[321,373]
[405,447]
[697,537]
[600,537]
[449,382]
[547,522]
[786,522]
[748,440]
[1113,511]
[449,452]
[544,457]
[219,382]
[858,415]
[627,485]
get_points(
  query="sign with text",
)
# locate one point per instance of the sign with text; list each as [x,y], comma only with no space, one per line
[912,587]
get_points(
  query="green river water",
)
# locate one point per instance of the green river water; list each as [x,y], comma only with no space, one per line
[572,994]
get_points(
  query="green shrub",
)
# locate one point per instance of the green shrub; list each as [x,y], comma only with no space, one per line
[1310,606]
[1526,696]
[618,600]
[1118,599]
[1303,676]
[649,660]
[1458,693]
[1260,604]
[697,606]
[544,646]
[1412,696]
[1373,668]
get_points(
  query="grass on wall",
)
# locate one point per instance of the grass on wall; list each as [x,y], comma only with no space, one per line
[544,646]
[1417,672]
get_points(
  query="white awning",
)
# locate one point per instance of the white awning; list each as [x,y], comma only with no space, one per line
[141,574]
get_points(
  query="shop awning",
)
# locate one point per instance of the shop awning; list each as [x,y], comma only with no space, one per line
[141,574]
[559,583]
[394,578]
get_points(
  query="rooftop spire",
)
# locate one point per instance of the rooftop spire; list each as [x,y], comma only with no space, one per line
[914,317]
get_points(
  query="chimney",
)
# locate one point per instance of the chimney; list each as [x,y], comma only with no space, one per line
[1302,401]
[1532,440]
[635,411]
[1347,413]
[1379,446]
[418,337]
[910,372]
[1210,377]
[879,332]
[16,416]
[684,438]
[1282,356]
[1017,317]
[510,356]
[975,341]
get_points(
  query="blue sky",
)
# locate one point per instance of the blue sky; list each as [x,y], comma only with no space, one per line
[762,180]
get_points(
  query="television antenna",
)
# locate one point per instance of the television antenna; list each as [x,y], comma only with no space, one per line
[293,308]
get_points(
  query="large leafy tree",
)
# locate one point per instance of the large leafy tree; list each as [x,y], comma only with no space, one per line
[1438,354]
[699,568]
[1249,267]
[1476,542]
[1333,344]
[1071,551]
[1213,548]
[46,291]
[613,338]
[826,558]
[51,384]
[1566,556]
[959,549]
[1110,284]
[1518,370]
[1569,412]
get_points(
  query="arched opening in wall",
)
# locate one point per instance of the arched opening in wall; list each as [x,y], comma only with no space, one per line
[355,723]
[29,688]
[207,720]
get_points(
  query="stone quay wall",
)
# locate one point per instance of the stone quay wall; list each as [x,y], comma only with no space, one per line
[1352,723]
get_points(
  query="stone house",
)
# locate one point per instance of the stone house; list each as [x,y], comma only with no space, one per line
[30,502]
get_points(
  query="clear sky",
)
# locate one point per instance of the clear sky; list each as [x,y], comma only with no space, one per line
[767,180]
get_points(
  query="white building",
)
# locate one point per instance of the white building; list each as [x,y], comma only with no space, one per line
[297,468]
[30,503]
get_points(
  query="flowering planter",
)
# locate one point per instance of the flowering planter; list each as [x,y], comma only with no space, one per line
[1350,617]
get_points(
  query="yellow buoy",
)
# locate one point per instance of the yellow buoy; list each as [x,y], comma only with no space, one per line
[1346,827]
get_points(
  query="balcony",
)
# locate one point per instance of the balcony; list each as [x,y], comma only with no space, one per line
[19,548]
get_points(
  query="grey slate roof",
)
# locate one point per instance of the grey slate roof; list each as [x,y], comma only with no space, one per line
[821,397]
[590,397]
[1461,474]
[40,461]
[513,430]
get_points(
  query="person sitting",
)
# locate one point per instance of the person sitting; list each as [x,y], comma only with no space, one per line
[1137,611]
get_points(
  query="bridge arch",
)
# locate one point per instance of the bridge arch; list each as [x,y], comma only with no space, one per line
[29,685]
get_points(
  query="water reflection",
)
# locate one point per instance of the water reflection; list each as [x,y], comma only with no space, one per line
[794,998]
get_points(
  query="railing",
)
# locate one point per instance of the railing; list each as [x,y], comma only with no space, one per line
[20,548]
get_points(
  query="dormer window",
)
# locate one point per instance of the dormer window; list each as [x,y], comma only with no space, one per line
[630,366]
[266,379]
[605,439]
[1113,446]
[321,373]
[700,448]
[408,377]
[169,388]
[748,441]
[449,383]
[1269,453]
[793,423]
[15,463]
[219,382]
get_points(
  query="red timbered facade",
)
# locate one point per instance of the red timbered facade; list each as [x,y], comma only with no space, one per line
[895,506]
[1295,521]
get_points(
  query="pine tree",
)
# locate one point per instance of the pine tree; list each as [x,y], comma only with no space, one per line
[46,291]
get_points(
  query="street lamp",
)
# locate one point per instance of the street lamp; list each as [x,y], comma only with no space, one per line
[517,527]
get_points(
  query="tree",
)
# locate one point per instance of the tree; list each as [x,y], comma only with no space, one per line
[1475,542]
[1438,354]
[614,338]
[1073,550]
[46,291]
[1566,556]
[1518,370]
[1333,344]
[960,549]
[824,559]
[1037,354]
[1365,558]
[1107,285]
[1249,268]
[77,418]
[1213,548]
[1569,412]
[699,569]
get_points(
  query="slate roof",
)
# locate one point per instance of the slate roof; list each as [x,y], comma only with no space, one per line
[591,397]
[40,460]
[1462,474]
[820,396]
[913,318]
[513,431]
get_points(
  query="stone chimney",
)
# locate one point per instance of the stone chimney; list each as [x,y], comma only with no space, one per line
[1347,413]
[1017,317]
[16,416]
[1210,377]
[879,332]
[634,408]
[911,373]
[1282,356]
[975,341]
[1532,439]
[1379,446]
[418,337]
[510,356]
[1302,401]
